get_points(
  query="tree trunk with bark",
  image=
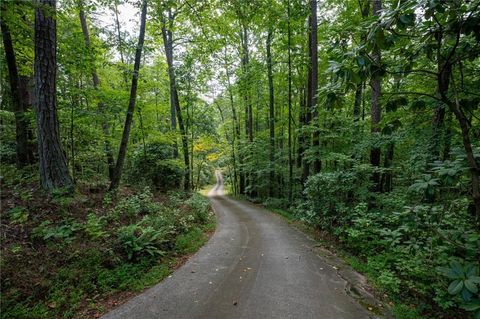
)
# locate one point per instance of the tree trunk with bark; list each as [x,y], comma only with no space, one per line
[443,80]
[271,122]
[52,160]
[290,160]
[238,182]
[358,102]
[174,100]
[246,98]
[375,84]
[122,152]
[24,156]
[96,85]
[313,107]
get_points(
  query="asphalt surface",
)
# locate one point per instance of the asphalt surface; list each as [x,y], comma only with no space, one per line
[254,266]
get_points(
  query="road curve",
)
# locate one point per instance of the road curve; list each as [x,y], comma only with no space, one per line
[254,266]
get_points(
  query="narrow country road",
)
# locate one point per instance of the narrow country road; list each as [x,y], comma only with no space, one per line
[254,266]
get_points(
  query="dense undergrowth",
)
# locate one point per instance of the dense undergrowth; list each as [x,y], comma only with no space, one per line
[77,256]
[421,254]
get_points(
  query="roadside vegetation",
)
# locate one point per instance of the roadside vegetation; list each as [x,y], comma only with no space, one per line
[78,255]
[361,118]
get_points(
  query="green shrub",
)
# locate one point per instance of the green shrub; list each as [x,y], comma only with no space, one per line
[94,226]
[63,232]
[190,241]
[18,215]
[138,204]
[200,207]
[155,166]
[330,195]
[137,241]
[276,203]
[464,284]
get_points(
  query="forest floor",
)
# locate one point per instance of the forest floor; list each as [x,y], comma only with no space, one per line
[256,265]
[82,255]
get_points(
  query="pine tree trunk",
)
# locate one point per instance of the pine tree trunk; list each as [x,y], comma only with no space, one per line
[122,152]
[52,160]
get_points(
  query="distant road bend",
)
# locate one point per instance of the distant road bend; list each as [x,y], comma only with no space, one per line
[254,266]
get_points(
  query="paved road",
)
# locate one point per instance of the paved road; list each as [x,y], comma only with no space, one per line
[254,266]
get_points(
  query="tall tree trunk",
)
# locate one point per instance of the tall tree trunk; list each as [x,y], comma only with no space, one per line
[120,46]
[96,85]
[23,152]
[443,80]
[375,83]
[235,134]
[122,152]
[174,100]
[359,90]
[302,122]
[290,160]
[387,176]
[168,45]
[271,121]
[52,160]
[246,98]
[448,138]
[307,116]
[358,102]
[248,103]
[317,165]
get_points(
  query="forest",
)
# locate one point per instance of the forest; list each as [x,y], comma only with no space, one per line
[359,119]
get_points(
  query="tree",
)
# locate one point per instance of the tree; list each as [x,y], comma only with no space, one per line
[375,109]
[289,52]
[312,105]
[122,152]
[96,84]
[271,113]
[52,161]
[23,151]
[174,100]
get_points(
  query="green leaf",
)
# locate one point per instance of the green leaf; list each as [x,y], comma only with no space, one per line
[418,105]
[455,287]
[471,286]
[407,19]
[472,305]
[380,39]
[361,61]
[470,270]
[466,295]
[457,269]
[474,279]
